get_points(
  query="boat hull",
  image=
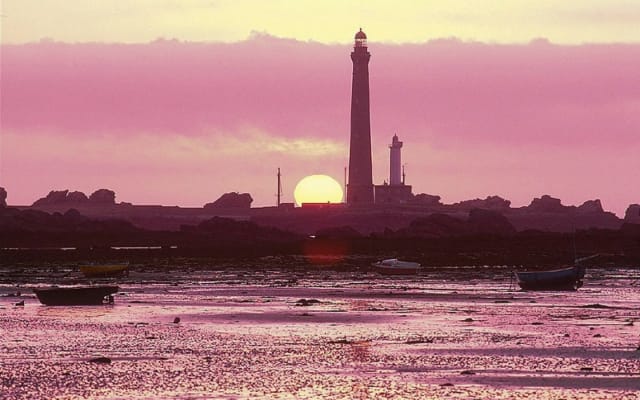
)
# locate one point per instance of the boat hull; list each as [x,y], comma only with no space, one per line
[106,270]
[75,296]
[560,279]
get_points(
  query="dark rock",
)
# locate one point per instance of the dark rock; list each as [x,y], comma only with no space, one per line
[20,303]
[595,305]
[490,203]
[306,302]
[419,340]
[426,199]
[231,200]
[77,197]
[591,207]
[103,196]
[3,197]
[63,197]
[586,369]
[101,360]
[547,203]
[467,372]
[467,320]
[632,215]
[340,341]
[176,320]
[54,197]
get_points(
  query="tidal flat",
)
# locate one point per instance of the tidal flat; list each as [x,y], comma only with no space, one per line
[234,333]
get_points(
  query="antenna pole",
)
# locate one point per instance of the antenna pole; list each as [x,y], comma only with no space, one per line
[279,187]
[345,180]
[403,175]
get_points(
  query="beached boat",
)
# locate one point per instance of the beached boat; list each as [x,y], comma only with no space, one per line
[76,295]
[393,266]
[558,279]
[104,270]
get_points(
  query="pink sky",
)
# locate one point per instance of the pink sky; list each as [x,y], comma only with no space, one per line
[173,122]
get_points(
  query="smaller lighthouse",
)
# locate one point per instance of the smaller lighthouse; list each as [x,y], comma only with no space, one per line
[395,191]
[395,162]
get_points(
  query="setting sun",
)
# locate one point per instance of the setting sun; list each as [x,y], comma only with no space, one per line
[318,189]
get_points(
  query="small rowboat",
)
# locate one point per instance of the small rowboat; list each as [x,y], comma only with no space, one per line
[393,266]
[76,295]
[558,279]
[104,270]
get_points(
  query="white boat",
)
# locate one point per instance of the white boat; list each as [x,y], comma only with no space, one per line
[393,266]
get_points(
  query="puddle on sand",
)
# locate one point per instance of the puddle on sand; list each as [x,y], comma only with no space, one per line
[386,339]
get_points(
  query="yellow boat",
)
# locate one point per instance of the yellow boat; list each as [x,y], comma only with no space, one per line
[104,270]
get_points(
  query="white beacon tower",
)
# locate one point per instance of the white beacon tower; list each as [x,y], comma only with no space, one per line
[395,162]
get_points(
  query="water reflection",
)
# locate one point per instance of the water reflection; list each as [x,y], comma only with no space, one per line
[245,336]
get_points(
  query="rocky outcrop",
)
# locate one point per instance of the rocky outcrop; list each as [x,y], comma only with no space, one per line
[546,204]
[632,215]
[426,200]
[549,214]
[64,198]
[591,207]
[490,203]
[77,197]
[3,197]
[103,196]
[53,198]
[231,200]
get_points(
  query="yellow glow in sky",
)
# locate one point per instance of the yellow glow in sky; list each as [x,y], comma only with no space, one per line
[567,21]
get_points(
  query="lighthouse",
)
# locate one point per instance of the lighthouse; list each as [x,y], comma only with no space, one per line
[395,161]
[395,191]
[360,184]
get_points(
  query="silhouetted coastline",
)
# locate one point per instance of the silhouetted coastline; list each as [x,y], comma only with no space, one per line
[476,232]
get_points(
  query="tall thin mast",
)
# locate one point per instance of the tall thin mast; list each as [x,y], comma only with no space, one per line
[403,175]
[279,187]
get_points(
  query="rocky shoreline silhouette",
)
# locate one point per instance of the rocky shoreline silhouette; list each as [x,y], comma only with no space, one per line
[474,237]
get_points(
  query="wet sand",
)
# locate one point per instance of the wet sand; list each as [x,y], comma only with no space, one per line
[246,334]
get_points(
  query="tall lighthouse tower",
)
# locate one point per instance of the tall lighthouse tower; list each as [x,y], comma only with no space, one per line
[360,185]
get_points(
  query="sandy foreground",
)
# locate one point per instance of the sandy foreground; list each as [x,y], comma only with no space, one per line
[247,334]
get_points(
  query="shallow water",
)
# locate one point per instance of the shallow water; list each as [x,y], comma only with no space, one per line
[244,334]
